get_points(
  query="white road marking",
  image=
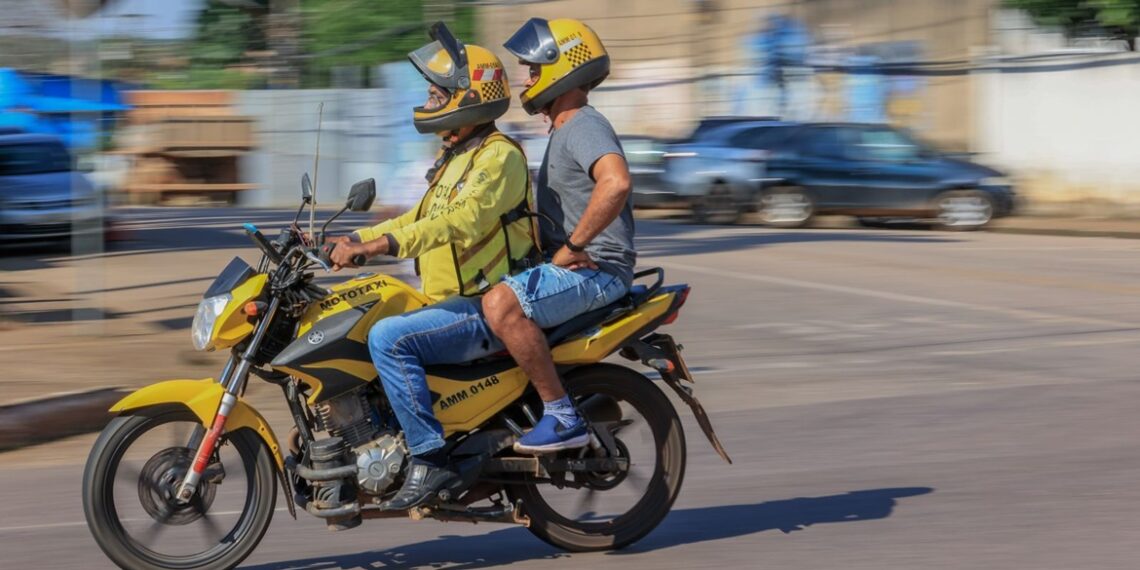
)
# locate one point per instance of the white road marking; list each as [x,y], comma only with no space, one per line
[900,297]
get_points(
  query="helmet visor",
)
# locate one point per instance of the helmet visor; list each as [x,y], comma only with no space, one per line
[534,43]
[436,65]
[443,61]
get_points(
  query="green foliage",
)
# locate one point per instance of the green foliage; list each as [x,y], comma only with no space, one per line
[350,29]
[1118,19]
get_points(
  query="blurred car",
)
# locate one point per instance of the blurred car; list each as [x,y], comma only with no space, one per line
[646,159]
[42,198]
[789,172]
[645,156]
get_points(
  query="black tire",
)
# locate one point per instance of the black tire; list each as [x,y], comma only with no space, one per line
[963,210]
[108,531]
[662,487]
[785,207]
[719,206]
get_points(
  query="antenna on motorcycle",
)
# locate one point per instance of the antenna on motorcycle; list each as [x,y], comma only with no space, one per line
[316,171]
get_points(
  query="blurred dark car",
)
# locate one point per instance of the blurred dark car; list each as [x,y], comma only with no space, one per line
[42,198]
[789,172]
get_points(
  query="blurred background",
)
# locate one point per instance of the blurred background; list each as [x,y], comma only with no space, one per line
[801,162]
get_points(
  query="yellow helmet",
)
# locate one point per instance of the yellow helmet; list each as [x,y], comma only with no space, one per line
[472,76]
[569,54]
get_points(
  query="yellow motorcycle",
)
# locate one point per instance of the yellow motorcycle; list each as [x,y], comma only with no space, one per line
[186,475]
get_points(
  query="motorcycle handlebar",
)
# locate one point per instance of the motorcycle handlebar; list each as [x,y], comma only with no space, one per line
[326,253]
[259,239]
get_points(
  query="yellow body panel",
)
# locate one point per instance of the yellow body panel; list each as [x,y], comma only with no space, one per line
[465,405]
[391,295]
[604,341]
[202,398]
[233,325]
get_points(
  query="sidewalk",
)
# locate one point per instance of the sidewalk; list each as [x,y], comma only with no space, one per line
[1081,227]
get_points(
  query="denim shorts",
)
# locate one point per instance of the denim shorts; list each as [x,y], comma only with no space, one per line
[551,295]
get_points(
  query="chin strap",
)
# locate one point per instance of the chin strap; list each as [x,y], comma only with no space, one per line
[449,149]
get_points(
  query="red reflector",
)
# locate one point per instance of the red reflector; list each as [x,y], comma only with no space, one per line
[677,310]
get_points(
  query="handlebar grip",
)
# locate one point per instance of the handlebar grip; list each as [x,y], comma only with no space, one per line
[326,255]
[259,239]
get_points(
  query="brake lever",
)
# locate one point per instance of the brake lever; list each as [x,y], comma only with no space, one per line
[316,259]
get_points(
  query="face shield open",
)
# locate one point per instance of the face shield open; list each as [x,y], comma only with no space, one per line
[534,43]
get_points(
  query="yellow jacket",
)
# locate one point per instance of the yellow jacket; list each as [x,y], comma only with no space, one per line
[457,229]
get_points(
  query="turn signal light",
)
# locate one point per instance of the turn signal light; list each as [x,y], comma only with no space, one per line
[253,308]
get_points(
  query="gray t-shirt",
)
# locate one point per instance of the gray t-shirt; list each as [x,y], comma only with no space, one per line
[565,187]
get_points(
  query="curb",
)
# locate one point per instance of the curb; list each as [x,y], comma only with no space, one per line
[55,417]
[1067,232]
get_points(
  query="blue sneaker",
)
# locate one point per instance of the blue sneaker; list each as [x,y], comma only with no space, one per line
[549,436]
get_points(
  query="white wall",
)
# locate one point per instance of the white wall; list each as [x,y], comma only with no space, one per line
[1067,126]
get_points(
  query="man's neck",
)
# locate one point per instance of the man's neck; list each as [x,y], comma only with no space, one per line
[564,111]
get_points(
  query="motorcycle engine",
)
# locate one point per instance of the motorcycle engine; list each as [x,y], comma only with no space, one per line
[380,453]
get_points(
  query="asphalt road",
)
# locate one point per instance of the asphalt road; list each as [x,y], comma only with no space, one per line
[892,399]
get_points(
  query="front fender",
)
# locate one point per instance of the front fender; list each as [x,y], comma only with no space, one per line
[202,398]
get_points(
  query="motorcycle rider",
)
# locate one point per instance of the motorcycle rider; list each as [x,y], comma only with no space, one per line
[468,231]
[587,223]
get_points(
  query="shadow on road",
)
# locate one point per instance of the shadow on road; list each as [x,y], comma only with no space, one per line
[683,526]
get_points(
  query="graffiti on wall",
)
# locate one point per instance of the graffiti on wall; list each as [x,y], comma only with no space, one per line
[799,77]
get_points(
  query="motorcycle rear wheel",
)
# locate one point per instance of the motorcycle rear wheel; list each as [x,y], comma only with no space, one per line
[103,499]
[637,394]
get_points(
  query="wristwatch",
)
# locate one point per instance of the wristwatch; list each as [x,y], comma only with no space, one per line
[574,248]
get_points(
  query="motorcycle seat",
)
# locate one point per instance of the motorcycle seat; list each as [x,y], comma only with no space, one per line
[502,361]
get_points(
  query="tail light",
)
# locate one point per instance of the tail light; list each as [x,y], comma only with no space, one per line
[677,310]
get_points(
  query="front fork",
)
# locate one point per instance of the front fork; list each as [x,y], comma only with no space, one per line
[234,377]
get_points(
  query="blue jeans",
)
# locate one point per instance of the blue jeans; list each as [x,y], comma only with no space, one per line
[454,331]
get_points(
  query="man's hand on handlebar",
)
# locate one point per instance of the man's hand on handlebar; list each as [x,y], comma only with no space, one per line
[347,253]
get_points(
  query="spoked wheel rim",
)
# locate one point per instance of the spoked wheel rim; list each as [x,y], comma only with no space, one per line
[964,211]
[614,509]
[609,498]
[131,503]
[785,207]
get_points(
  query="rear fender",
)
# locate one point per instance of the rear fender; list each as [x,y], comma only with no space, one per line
[202,398]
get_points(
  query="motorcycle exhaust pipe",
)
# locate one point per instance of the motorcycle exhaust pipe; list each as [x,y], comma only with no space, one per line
[334,499]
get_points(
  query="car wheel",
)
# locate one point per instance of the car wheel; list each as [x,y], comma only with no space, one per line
[718,206]
[963,210]
[787,207]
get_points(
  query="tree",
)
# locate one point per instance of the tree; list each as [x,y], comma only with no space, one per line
[367,32]
[1116,19]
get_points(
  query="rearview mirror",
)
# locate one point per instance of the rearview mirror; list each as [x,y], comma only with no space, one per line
[361,195]
[306,188]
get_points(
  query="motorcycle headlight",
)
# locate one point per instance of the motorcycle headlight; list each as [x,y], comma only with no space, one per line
[208,312]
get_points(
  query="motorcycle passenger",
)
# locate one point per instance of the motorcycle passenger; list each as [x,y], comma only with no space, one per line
[468,231]
[587,227]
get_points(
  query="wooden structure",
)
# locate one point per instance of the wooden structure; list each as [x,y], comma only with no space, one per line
[185,143]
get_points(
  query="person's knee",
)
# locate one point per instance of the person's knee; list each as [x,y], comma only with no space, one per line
[501,306]
[383,338]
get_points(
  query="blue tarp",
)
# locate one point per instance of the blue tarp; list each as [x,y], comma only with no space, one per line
[74,109]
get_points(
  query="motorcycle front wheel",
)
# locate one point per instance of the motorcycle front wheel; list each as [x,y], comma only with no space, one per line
[609,511]
[131,480]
